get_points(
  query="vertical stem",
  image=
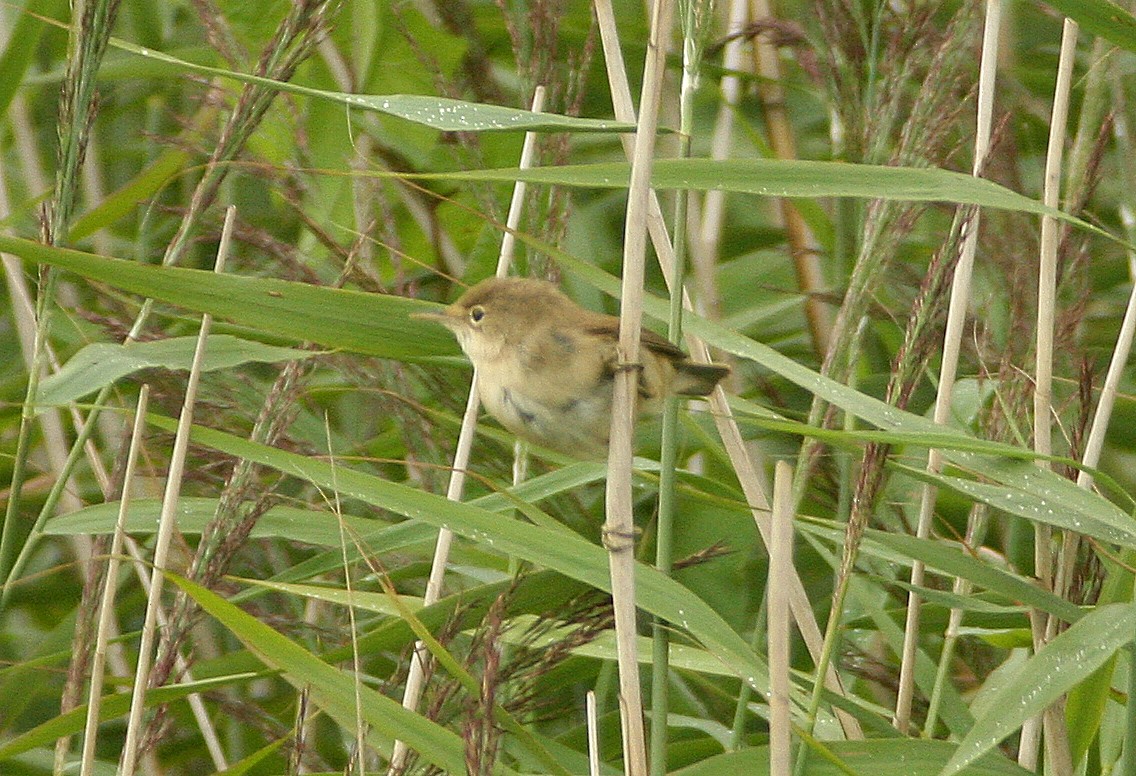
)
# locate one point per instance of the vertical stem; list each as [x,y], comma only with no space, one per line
[1053,718]
[948,370]
[167,521]
[1047,271]
[593,734]
[694,12]
[619,527]
[780,564]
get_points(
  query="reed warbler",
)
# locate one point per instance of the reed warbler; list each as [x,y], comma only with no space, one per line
[545,366]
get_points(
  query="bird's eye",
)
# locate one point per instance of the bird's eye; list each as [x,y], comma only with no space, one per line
[476,313]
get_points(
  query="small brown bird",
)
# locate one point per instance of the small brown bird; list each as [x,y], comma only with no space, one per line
[545,366]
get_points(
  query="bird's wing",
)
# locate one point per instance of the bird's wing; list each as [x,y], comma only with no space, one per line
[609,325]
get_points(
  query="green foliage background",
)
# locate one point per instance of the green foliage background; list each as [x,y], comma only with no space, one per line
[370,150]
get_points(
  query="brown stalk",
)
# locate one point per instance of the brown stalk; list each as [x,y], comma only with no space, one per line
[803,245]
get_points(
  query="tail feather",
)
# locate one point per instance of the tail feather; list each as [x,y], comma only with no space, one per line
[693,379]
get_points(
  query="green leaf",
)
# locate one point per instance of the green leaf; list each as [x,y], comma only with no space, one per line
[100,364]
[42,761]
[1085,708]
[1056,505]
[881,757]
[950,559]
[955,562]
[366,600]
[1059,666]
[308,526]
[1101,18]
[23,42]
[536,593]
[148,182]
[555,549]
[439,113]
[375,324]
[784,178]
[112,706]
[249,763]
[333,690]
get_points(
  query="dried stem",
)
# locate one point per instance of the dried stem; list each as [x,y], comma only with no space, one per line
[167,524]
[619,528]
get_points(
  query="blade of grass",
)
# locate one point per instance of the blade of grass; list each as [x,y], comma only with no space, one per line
[106,607]
[1058,666]
[131,747]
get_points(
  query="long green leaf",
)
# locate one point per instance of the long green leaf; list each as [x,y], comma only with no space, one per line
[885,757]
[558,550]
[1101,18]
[951,559]
[293,524]
[785,178]
[1090,516]
[375,324]
[439,113]
[23,43]
[139,189]
[955,562]
[333,690]
[112,706]
[1060,665]
[102,363]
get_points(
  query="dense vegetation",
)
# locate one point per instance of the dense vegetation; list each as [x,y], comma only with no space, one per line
[929,387]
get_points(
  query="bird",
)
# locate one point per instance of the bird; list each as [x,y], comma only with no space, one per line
[546,366]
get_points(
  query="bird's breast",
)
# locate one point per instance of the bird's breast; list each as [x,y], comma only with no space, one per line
[571,418]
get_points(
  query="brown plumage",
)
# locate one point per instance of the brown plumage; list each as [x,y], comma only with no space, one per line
[545,365]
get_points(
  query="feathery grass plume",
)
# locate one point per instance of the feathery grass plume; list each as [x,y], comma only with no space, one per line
[880,120]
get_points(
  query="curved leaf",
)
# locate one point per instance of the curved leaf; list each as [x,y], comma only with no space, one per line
[439,113]
[308,526]
[22,42]
[112,706]
[1101,18]
[883,757]
[1060,665]
[1056,505]
[375,324]
[102,363]
[559,550]
[784,178]
[333,690]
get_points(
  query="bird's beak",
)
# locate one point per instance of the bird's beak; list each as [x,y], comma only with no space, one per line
[447,316]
